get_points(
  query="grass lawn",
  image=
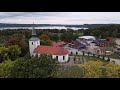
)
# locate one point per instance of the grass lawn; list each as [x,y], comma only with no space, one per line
[91,58]
[116,56]
[69,72]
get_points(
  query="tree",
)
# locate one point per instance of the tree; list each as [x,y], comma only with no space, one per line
[112,70]
[54,37]
[14,52]
[20,40]
[44,37]
[42,67]
[5,69]
[92,69]
[3,54]
[48,42]
[111,41]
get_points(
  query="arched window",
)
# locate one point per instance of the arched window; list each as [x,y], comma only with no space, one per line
[57,57]
[32,43]
[63,57]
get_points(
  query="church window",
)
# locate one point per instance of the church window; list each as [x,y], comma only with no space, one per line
[63,57]
[56,57]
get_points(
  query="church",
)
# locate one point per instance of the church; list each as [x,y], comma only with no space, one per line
[35,48]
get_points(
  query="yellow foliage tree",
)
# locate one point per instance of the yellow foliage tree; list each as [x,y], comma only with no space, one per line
[112,70]
[92,69]
[97,69]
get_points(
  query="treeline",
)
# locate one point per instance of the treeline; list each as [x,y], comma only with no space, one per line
[104,32]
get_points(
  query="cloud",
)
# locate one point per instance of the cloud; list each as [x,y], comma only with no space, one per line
[60,17]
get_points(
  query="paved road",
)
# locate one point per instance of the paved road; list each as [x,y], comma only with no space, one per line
[116,60]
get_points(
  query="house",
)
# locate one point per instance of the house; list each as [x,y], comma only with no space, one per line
[104,50]
[74,44]
[56,52]
[101,42]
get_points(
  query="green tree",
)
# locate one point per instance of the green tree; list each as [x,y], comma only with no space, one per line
[54,37]
[42,67]
[5,69]
[3,54]
[14,52]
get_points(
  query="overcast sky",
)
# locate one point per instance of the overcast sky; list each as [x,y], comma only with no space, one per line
[60,17]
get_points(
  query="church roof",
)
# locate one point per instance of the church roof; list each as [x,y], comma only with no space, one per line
[50,50]
[34,39]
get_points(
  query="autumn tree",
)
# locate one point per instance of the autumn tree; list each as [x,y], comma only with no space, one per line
[92,69]
[112,70]
[111,41]
[20,40]
[45,40]
[44,37]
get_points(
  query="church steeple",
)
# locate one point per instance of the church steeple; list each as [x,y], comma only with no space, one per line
[34,41]
[33,31]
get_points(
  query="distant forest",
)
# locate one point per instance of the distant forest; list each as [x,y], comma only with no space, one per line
[40,25]
[104,32]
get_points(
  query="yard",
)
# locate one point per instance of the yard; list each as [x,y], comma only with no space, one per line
[69,72]
[115,56]
[88,58]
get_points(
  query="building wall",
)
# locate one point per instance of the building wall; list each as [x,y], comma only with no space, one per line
[74,51]
[60,58]
[33,46]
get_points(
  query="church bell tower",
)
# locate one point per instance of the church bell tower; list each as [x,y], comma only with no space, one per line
[33,42]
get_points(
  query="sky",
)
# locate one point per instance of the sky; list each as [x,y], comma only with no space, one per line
[60,17]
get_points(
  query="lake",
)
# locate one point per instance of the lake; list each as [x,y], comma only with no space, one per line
[44,27]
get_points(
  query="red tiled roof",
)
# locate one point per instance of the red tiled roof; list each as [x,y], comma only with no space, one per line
[58,44]
[50,50]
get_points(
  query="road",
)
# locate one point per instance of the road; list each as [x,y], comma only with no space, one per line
[116,60]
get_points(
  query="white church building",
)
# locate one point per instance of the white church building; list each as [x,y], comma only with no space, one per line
[59,53]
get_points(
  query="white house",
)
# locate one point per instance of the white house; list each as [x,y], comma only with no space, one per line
[57,52]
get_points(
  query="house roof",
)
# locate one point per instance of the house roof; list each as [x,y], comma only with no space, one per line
[58,44]
[50,50]
[88,37]
[106,48]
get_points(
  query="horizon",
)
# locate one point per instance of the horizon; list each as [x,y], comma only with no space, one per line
[60,24]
